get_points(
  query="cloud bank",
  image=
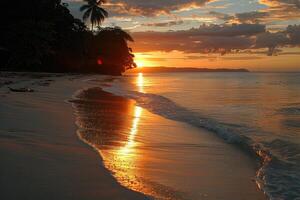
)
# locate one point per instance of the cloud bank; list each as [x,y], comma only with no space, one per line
[218,39]
[240,32]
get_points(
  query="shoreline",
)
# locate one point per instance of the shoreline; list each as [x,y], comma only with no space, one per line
[42,157]
[132,147]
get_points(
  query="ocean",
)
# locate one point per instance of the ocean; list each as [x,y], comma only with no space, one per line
[259,113]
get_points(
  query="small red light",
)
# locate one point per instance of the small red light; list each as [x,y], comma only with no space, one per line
[99,61]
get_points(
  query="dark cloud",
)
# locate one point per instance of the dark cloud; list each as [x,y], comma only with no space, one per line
[293,32]
[290,37]
[294,3]
[222,16]
[203,44]
[234,58]
[229,30]
[281,10]
[251,17]
[277,10]
[205,39]
[242,58]
[271,41]
[223,30]
[200,57]
[218,39]
[164,24]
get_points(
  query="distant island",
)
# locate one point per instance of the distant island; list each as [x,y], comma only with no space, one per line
[181,69]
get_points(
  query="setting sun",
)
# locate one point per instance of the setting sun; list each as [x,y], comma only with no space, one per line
[140,63]
[144,60]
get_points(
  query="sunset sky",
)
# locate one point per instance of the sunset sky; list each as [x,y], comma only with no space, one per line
[251,34]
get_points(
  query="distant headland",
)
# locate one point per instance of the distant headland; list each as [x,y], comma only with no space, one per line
[182,69]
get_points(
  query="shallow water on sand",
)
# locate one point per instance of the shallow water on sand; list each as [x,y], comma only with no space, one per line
[162,158]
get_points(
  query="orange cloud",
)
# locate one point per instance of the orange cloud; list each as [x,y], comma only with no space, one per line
[153,7]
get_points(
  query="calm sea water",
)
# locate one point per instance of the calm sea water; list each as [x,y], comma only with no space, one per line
[259,112]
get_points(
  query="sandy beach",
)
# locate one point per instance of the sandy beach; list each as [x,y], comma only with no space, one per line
[41,155]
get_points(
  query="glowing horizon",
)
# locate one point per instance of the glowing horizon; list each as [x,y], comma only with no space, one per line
[256,63]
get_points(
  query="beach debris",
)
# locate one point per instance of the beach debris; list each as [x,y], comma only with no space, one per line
[20,89]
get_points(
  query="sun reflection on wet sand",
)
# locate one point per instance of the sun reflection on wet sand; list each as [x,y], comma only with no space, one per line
[123,160]
[111,125]
[133,131]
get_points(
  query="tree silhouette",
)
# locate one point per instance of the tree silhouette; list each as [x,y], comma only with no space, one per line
[114,48]
[94,12]
[42,35]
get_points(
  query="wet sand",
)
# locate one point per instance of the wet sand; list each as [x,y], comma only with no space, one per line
[41,155]
[160,157]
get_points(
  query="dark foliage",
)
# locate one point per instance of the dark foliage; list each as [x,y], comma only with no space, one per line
[42,35]
[113,51]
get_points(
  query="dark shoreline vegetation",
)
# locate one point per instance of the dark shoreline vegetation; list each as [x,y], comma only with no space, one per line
[43,36]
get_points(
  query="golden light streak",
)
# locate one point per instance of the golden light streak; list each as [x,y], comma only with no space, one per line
[128,148]
[123,160]
[140,82]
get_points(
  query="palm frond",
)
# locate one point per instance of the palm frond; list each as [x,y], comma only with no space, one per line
[87,14]
[84,7]
[104,12]
[93,11]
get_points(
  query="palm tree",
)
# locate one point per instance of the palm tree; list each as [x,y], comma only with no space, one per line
[94,12]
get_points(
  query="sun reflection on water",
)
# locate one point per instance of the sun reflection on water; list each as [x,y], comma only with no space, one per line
[140,82]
